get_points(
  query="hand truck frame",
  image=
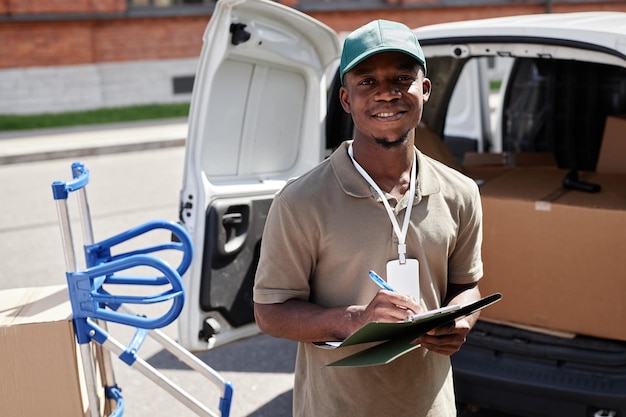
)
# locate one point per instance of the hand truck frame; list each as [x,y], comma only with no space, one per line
[93,306]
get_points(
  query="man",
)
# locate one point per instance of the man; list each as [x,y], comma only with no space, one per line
[329,227]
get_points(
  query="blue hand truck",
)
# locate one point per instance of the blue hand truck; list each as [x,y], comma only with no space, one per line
[93,304]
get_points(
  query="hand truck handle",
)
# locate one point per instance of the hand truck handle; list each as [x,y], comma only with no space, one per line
[101,251]
[89,299]
[80,175]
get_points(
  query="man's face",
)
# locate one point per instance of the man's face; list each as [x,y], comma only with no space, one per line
[385,95]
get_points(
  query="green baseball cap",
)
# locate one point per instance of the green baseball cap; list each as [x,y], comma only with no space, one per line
[375,37]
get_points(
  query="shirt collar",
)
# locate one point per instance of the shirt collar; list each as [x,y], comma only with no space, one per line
[353,184]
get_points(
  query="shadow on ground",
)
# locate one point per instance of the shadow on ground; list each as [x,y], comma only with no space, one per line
[258,354]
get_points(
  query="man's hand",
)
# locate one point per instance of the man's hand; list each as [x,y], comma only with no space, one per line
[446,339]
[449,338]
[389,306]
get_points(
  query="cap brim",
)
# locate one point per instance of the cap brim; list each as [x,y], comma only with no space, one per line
[356,61]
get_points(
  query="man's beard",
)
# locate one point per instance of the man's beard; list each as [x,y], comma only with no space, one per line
[393,144]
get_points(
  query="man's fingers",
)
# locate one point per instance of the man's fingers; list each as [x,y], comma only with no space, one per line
[443,329]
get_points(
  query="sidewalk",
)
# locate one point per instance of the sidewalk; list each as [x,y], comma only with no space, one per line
[45,144]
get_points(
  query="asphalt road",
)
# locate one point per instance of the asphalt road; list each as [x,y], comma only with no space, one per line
[128,189]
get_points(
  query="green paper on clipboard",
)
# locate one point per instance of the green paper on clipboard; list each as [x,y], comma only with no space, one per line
[396,338]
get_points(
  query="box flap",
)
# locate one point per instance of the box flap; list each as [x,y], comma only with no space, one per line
[545,185]
[519,159]
[612,195]
[34,305]
[484,167]
[525,184]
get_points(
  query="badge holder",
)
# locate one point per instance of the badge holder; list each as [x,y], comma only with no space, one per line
[404,277]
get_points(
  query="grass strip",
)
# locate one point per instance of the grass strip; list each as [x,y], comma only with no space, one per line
[9,122]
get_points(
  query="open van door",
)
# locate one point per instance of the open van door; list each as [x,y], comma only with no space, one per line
[256,120]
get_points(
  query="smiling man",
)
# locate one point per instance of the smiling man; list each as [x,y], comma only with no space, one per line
[380,204]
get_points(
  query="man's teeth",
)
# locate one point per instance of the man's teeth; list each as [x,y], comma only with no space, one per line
[385,114]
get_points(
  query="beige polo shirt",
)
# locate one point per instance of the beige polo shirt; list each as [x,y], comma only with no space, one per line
[324,232]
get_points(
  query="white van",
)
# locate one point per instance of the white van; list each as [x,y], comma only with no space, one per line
[265,109]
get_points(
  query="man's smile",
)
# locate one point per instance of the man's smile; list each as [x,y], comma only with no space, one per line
[388,115]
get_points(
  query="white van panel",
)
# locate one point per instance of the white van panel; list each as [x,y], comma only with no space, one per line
[253,143]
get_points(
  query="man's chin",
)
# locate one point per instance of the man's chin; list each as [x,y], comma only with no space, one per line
[390,144]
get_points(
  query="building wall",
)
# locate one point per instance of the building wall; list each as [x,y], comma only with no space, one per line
[63,88]
[60,55]
[67,55]
[416,13]
[74,42]
[48,7]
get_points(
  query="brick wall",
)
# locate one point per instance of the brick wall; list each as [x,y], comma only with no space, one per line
[36,44]
[416,17]
[64,55]
[77,37]
[148,38]
[32,44]
[33,7]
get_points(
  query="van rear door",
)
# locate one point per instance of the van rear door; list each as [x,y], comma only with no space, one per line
[256,120]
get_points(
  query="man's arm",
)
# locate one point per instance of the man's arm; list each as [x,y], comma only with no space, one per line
[307,322]
[448,339]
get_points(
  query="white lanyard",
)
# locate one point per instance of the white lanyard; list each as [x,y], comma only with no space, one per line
[401,234]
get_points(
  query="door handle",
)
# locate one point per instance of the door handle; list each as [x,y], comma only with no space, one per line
[235,224]
[232,219]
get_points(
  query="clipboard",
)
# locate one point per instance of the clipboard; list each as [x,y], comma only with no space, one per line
[396,337]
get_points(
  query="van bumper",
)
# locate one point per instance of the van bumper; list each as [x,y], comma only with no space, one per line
[536,375]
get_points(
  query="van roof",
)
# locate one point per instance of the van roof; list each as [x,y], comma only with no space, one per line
[606,30]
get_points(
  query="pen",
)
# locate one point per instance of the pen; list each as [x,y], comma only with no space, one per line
[380,282]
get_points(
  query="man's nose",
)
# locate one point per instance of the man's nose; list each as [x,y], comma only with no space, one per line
[389,91]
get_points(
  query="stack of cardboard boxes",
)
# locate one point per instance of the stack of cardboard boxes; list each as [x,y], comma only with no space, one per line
[558,256]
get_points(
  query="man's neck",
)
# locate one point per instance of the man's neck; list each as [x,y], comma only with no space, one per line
[390,168]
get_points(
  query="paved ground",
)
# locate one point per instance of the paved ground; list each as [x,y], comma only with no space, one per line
[47,144]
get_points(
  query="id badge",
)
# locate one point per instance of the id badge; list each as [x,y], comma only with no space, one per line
[404,278]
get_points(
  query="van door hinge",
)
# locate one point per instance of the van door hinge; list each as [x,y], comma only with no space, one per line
[185,207]
[240,34]
[210,327]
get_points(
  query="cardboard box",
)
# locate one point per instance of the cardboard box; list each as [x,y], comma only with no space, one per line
[432,145]
[612,158]
[487,166]
[39,359]
[557,256]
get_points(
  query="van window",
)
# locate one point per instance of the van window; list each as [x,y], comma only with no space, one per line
[561,106]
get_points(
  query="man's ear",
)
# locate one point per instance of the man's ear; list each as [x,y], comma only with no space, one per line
[426,89]
[344,98]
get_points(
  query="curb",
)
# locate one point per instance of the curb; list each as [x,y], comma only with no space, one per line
[102,139]
[89,151]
